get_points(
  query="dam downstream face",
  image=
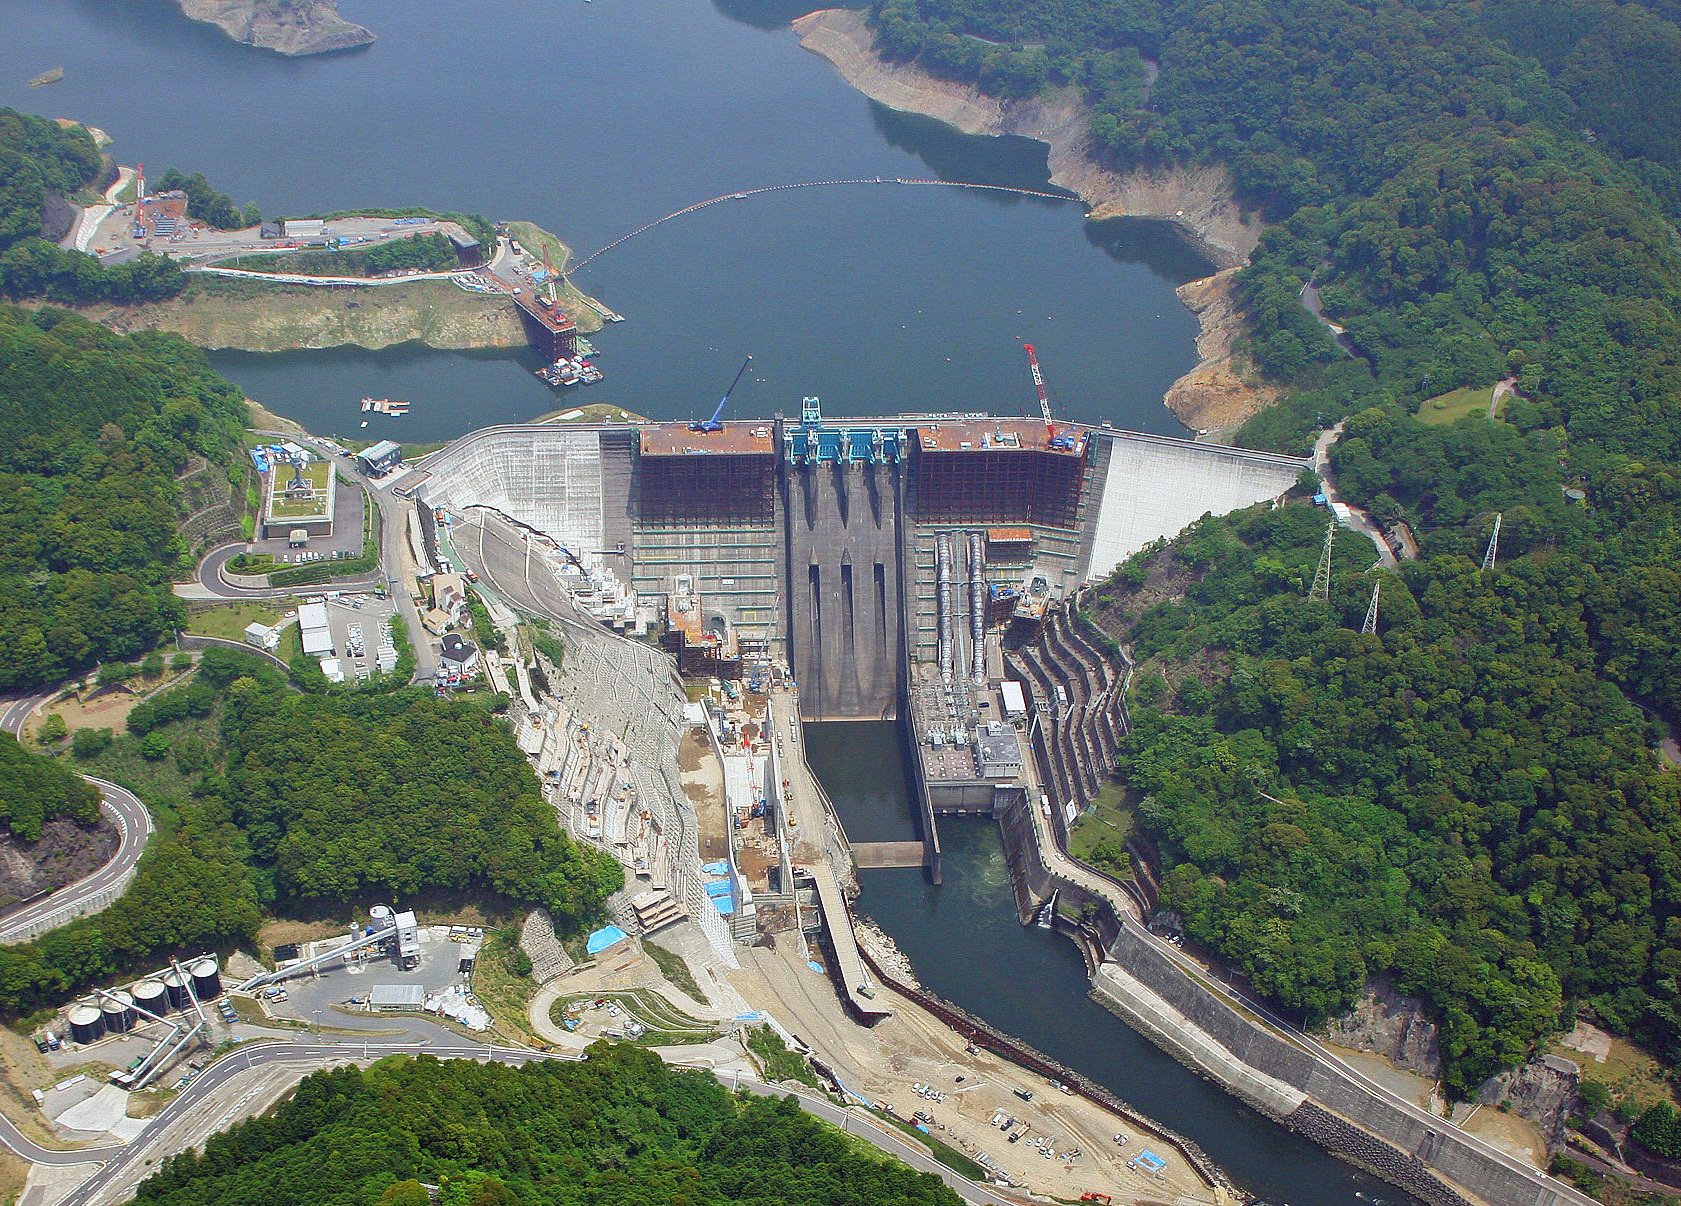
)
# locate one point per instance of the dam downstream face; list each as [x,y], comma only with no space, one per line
[594,119]
[967,945]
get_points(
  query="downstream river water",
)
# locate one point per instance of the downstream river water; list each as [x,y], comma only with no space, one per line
[592,119]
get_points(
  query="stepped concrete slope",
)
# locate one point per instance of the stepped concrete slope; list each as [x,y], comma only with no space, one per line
[549,478]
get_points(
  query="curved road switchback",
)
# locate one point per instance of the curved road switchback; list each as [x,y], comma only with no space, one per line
[134,830]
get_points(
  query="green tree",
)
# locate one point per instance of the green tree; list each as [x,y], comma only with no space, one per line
[90,743]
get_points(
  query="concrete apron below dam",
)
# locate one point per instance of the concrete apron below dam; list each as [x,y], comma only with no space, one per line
[1283,1076]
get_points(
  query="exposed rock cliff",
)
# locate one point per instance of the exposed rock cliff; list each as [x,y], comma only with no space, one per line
[1395,1027]
[65,852]
[1223,389]
[291,27]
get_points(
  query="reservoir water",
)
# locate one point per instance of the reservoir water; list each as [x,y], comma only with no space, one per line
[592,119]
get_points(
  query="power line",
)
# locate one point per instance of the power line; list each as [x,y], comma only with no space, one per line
[1320,591]
[1493,549]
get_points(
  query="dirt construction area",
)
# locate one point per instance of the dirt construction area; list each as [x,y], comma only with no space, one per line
[1066,1145]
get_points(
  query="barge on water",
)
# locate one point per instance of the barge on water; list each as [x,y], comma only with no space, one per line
[384,406]
[575,370]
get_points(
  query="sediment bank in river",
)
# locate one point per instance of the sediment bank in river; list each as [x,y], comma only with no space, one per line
[1218,394]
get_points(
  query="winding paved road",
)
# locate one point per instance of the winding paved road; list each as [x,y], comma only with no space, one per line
[118,1160]
[134,829]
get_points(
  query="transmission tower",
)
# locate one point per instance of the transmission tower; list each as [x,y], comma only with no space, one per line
[1493,544]
[1320,592]
[1370,626]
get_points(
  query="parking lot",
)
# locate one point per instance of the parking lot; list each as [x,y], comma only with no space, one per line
[359,624]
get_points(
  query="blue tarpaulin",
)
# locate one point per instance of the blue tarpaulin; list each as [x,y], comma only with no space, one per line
[718,868]
[605,937]
[718,887]
[726,906]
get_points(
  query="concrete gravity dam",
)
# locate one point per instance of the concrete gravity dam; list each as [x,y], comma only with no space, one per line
[825,543]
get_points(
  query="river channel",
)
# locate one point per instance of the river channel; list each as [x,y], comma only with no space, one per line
[593,118]
[967,945]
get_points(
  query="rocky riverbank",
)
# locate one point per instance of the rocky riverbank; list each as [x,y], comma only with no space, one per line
[1218,394]
[1223,390]
[289,27]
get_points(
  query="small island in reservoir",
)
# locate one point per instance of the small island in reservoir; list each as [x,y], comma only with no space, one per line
[289,27]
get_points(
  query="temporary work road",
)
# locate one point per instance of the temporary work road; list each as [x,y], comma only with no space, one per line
[134,830]
[119,1161]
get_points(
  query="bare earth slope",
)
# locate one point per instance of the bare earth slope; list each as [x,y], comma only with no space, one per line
[291,27]
[275,318]
[65,853]
[1214,396]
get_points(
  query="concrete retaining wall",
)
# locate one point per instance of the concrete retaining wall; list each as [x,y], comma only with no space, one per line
[81,908]
[1277,1075]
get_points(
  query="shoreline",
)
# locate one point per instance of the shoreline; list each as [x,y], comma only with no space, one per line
[290,27]
[1214,397]
[258,317]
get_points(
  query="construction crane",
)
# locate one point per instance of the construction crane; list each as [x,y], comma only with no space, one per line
[715,422]
[1066,440]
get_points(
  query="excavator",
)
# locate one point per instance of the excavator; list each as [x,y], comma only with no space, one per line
[715,423]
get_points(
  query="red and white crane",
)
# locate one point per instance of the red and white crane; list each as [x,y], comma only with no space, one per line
[1066,439]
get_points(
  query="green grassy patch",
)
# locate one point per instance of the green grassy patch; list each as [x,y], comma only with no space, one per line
[1098,836]
[675,969]
[229,620]
[156,781]
[319,475]
[595,412]
[501,990]
[779,1062]
[1457,405]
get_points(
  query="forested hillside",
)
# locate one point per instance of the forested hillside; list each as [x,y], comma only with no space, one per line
[314,804]
[34,791]
[1470,799]
[351,797]
[619,1130]
[97,428]
[40,160]
[1461,803]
